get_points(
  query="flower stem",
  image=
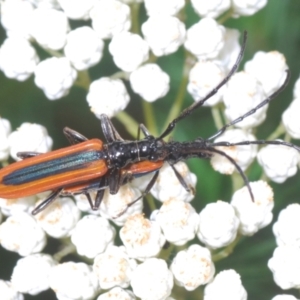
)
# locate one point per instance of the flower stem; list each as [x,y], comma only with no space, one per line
[128,122]
[149,118]
[176,107]
[216,113]
[135,26]
[226,16]
[226,251]
[83,80]
[277,132]
[66,250]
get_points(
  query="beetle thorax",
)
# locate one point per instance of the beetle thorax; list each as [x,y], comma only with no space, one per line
[122,153]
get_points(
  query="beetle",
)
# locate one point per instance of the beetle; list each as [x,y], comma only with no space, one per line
[91,165]
[77,169]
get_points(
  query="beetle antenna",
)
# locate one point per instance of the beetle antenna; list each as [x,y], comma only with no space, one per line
[238,168]
[186,112]
[252,111]
[258,142]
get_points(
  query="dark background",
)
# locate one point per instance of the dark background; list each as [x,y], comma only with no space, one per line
[276,27]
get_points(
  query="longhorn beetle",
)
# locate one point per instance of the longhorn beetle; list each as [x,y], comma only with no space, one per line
[91,165]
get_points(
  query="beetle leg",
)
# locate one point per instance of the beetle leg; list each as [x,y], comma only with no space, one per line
[27,154]
[100,193]
[114,181]
[144,129]
[144,193]
[88,196]
[47,201]
[182,181]
[98,199]
[110,132]
[73,136]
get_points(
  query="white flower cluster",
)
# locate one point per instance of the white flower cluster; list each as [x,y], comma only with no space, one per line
[285,263]
[133,264]
[75,50]
[276,169]
[245,90]
[134,269]
[262,76]
[284,297]
[221,222]
[28,137]
[290,118]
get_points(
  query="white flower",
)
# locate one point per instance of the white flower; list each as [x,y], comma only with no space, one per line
[59,218]
[89,242]
[203,78]
[15,17]
[11,206]
[163,7]
[212,36]
[29,137]
[291,120]
[129,50]
[141,237]
[167,185]
[284,297]
[8,292]
[286,229]
[164,34]
[18,59]
[131,1]
[226,285]
[114,268]
[278,170]
[49,28]
[55,76]
[253,215]
[77,9]
[218,225]
[296,91]
[118,293]
[110,17]
[72,280]
[5,130]
[242,155]
[46,3]
[115,207]
[30,275]
[242,93]
[269,68]
[231,49]
[212,8]
[178,221]
[285,266]
[247,7]
[152,280]
[83,48]
[22,234]
[107,96]
[193,267]
[150,82]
